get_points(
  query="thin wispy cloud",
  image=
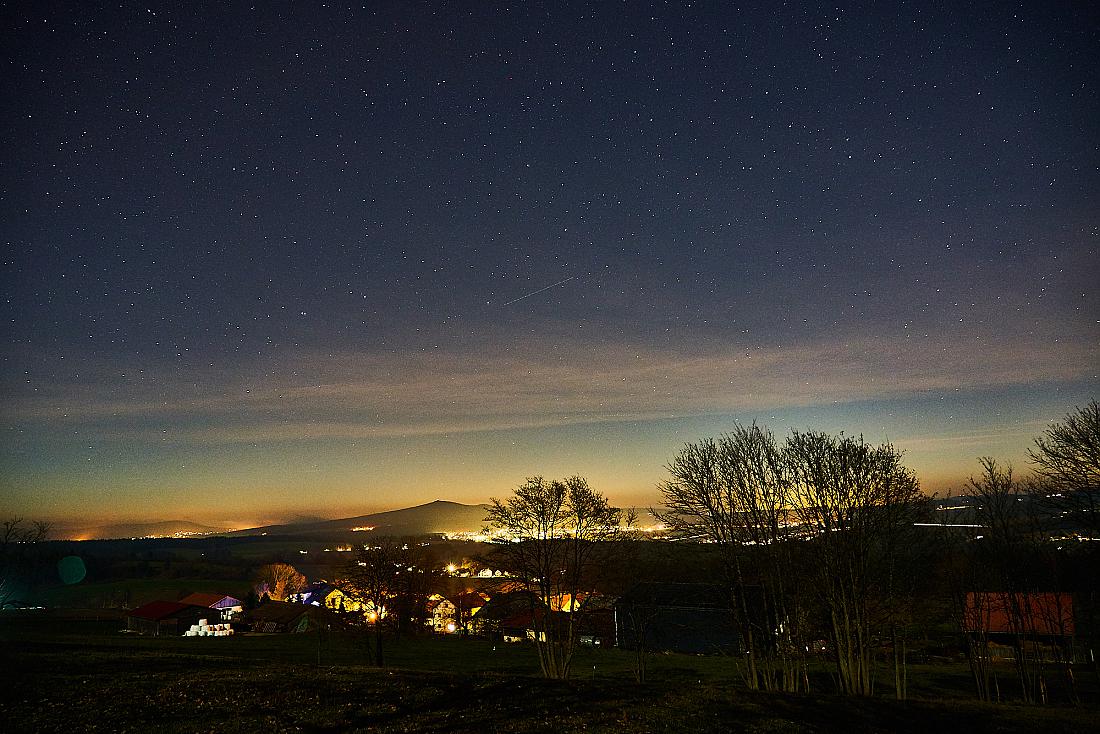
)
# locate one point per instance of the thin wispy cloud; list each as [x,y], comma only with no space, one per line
[362,396]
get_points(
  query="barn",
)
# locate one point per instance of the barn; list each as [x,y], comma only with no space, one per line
[279,616]
[226,606]
[689,618]
[159,618]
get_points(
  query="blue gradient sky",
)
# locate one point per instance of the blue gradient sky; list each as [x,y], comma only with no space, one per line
[330,260]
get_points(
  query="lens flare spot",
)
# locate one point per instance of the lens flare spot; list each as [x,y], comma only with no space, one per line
[71,569]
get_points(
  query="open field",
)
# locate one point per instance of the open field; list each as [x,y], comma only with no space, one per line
[84,675]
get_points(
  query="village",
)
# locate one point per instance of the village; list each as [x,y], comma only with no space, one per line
[694,618]
[471,601]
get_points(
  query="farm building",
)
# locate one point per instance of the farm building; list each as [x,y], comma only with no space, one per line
[226,606]
[165,618]
[690,618]
[523,625]
[1043,614]
[279,616]
[1004,624]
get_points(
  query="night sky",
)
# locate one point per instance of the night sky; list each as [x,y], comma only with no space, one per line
[318,259]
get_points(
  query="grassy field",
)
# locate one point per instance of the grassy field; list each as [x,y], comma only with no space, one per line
[83,674]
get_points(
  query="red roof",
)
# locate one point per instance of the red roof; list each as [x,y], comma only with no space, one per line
[158,610]
[1044,613]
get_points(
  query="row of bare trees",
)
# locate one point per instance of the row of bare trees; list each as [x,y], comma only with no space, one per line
[818,524]
[820,539]
[822,533]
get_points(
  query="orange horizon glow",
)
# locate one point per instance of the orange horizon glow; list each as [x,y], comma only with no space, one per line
[939,484]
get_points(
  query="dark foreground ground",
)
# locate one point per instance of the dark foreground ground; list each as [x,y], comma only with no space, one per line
[89,678]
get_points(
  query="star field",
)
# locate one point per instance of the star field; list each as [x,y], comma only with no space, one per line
[295,257]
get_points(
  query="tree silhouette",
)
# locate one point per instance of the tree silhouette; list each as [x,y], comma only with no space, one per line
[560,527]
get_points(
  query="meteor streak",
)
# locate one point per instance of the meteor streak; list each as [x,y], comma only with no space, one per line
[540,290]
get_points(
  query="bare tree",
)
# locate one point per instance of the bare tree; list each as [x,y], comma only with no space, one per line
[16,541]
[373,580]
[559,528]
[1011,543]
[859,502]
[279,581]
[412,586]
[735,492]
[1066,459]
[639,619]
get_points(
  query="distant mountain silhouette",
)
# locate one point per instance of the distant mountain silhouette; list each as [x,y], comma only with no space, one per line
[434,517]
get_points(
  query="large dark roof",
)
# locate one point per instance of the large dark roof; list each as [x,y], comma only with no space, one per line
[278,611]
[664,594]
[507,604]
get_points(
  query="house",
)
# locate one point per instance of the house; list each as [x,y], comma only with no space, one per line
[162,618]
[454,614]
[594,623]
[518,616]
[280,616]
[314,594]
[523,626]
[676,617]
[330,596]
[441,613]
[339,600]
[507,614]
[227,606]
